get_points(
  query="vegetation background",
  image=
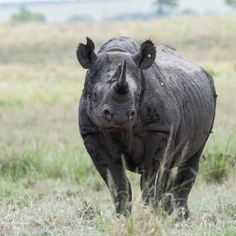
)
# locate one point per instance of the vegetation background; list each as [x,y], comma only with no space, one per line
[48,184]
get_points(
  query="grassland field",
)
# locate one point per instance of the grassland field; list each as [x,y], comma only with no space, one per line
[48,184]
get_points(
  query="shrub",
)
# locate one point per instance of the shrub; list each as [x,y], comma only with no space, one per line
[216,168]
[24,15]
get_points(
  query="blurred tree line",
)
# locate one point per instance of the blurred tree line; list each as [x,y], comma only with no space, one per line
[231,2]
[24,15]
[165,6]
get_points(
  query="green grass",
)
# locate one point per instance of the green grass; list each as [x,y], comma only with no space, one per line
[48,184]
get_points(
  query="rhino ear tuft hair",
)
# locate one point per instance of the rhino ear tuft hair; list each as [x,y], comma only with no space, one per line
[85,53]
[146,56]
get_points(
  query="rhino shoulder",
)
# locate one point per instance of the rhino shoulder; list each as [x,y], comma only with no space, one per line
[164,48]
[86,126]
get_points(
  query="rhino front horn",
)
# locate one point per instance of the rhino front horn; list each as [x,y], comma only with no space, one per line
[122,85]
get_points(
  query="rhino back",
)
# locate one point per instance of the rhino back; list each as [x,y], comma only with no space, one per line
[122,44]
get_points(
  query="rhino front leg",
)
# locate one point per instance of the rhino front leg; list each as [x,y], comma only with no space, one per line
[112,173]
[153,186]
[119,187]
[185,178]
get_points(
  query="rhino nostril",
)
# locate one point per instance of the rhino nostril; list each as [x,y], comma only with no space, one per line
[131,115]
[108,115]
[106,112]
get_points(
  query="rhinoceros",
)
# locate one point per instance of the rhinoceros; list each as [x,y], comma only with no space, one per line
[148,110]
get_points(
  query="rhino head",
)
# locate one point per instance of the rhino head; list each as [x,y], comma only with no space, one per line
[113,83]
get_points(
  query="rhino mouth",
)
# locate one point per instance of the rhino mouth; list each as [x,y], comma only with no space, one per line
[116,125]
[119,125]
[115,130]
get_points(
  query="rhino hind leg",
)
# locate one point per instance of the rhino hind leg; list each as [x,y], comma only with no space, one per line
[184,180]
[147,188]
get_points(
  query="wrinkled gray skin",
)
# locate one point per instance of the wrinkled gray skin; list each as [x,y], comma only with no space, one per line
[145,109]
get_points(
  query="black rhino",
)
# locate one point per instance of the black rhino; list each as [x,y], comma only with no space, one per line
[148,110]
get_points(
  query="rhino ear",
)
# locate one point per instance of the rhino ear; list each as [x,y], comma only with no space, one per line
[146,56]
[85,53]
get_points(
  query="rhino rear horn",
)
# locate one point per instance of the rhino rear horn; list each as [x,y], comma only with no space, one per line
[85,53]
[146,56]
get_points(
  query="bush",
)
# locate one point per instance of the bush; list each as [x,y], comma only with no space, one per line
[216,168]
[17,165]
[24,15]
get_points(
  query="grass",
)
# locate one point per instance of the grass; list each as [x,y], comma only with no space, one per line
[48,184]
